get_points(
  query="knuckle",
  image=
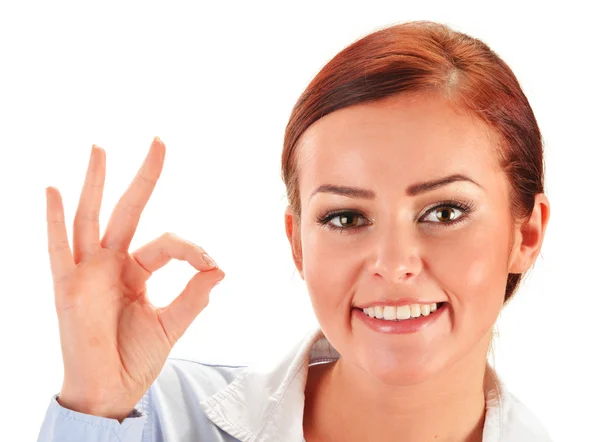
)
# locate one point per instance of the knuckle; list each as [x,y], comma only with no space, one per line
[131,209]
[97,185]
[204,303]
[57,222]
[174,245]
[58,247]
[173,238]
[62,280]
[169,236]
[146,179]
[87,215]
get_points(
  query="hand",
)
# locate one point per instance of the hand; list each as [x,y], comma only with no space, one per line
[114,342]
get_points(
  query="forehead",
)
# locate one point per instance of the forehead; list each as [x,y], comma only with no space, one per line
[404,138]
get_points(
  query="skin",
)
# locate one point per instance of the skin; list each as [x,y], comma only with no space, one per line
[114,341]
[427,385]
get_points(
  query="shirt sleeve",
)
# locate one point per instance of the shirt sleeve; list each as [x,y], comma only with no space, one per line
[63,425]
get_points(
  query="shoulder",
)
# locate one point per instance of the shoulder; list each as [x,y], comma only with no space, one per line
[520,423]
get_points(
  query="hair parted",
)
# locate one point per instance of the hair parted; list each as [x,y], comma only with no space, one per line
[424,56]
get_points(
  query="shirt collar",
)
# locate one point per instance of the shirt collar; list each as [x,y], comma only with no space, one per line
[266,401]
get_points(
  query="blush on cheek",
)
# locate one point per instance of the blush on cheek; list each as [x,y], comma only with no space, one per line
[472,266]
[331,265]
[331,279]
[480,293]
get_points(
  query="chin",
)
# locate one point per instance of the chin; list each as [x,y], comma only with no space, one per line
[408,371]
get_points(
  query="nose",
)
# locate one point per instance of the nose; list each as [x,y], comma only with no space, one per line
[397,257]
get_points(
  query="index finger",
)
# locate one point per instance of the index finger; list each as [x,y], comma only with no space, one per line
[125,217]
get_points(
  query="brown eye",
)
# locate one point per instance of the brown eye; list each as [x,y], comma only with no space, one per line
[347,220]
[445,214]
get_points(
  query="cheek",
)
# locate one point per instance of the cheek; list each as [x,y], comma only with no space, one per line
[468,265]
[330,272]
[472,270]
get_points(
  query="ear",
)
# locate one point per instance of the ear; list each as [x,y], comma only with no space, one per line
[292,230]
[529,236]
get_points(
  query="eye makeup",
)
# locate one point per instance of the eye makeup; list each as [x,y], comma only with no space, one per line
[448,206]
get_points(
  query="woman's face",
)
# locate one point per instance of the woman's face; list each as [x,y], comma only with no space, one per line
[394,245]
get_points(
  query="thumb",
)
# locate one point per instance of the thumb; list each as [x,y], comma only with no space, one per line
[179,315]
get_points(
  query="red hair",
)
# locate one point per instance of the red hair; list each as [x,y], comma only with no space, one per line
[428,56]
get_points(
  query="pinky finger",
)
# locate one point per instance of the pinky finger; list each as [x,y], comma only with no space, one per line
[61,257]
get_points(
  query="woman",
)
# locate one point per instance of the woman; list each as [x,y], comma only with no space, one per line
[414,170]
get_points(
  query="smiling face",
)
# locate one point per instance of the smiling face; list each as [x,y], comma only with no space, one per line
[394,240]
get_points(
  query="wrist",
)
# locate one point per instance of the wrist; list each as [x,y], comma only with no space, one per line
[85,405]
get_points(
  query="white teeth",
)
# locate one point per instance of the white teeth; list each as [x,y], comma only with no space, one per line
[415,310]
[403,312]
[390,313]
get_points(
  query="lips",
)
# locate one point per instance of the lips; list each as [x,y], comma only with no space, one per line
[405,326]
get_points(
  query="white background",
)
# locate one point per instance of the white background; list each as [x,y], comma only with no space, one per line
[217,82]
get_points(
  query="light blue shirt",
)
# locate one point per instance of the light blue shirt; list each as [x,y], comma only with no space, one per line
[193,401]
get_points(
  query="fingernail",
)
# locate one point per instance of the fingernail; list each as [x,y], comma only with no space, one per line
[157,139]
[208,260]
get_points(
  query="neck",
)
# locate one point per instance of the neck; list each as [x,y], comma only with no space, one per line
[343,399]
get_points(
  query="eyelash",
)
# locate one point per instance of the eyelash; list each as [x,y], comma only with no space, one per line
[465,207]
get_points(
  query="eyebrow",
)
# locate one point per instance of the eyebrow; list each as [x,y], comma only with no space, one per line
[412,190]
